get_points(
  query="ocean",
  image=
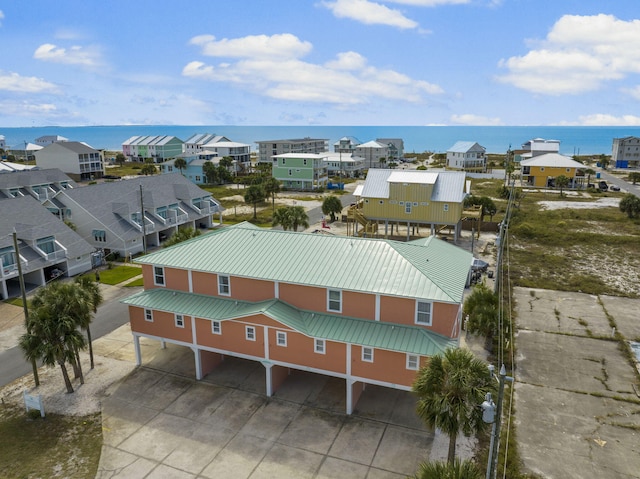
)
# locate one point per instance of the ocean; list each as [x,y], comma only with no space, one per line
[574,140]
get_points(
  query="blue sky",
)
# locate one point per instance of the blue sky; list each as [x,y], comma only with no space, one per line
[320,62]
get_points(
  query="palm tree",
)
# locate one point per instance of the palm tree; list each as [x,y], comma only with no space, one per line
[271,187]
[148,169]
[630,204]
[210,172]
[450,390]
[589,172]
[634,177]
[93,295]
[52,330]
[282,217]
[254,195]
[562,182]
[180,163]
[445,470]
[331,205]
[298,217]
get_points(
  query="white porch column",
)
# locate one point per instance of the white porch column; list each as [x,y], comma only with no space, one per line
[196,354]
[136,346]
[269,382]
[163,344]
[350,396]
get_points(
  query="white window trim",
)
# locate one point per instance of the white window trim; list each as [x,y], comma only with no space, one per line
[422,323]
[228,285]
[366,349]
[213,327]
[250,331]
[329,291]
[148,315]
[156,275]
[413,358]
[181,316]
[281,338]
[319,350]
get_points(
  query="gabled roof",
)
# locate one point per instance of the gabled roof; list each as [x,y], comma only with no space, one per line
[32,221]
[34,177]
[465,146]
[74,146]
[158,140]
[372,144]
[552,159]
[9,167]
[158,190]
[448,185]
[436,271]
[376,334]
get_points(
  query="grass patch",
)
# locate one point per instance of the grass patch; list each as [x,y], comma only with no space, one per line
[15,302]
[56,446]
[117,275]
[134,283]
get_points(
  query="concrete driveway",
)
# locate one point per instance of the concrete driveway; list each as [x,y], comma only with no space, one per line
[160,423]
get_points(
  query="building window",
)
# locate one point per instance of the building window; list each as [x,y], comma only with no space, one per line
[148,315]
[290,172]
[99,236]
[407,208]
[179,321]
[304,162]
[46,244]
[412,362]
[334,300]
[158,275]
[446,207]
[367,355]
[250,333]
[216,327]
[319,346]
[281,338]
[423,313]
[224,286]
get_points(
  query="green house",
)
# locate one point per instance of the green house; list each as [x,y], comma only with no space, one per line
[300,171]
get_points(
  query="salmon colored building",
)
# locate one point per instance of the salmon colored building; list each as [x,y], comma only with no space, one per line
[369,311]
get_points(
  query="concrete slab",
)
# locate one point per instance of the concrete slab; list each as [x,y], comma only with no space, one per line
[270,420]
[239,458]
[625,313]
[198,401]
[286,462]
[358,441]
[159,437]
[333,467]
[167,472]
[236,410]
[399,450]
[312,429]
[118,464]
[120,419]
[301,386]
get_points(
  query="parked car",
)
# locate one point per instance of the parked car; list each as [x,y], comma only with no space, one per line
[614,188]
[602,185]
[479,265]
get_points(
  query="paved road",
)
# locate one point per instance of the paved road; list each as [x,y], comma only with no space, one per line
[624,185]
[111,315]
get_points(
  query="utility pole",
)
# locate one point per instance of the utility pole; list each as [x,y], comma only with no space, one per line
[492,413]
[144,225]
[27,325]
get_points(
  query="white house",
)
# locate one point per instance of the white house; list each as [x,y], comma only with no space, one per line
[76,159]
[467,156]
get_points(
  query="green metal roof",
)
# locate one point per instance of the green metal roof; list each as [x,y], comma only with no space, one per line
[435,270]
[376,334]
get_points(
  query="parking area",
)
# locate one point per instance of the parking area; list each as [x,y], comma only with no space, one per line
[159,422]
[578,414]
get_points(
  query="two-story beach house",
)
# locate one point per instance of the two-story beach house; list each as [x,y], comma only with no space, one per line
[204,143]
[467,156]
[541,171]
[300,171]
[411,199]
[157,148]
[369,311]
[76,159]
[344,165]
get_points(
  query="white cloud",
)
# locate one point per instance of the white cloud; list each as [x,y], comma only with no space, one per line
[369,13]
[76,55]
[475,120]
[346,80]
[430,3]
[633,92]
[28,109]
[13,82]
[282,45]
[604,119]
[579,54]
[1,17]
